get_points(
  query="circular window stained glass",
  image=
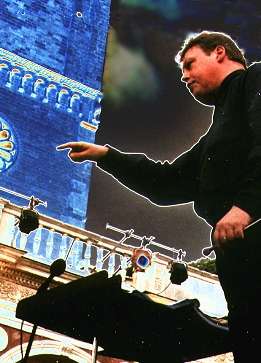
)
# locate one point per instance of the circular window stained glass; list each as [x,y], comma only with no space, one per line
[8,146]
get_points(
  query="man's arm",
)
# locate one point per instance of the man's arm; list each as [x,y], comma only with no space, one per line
[162,183]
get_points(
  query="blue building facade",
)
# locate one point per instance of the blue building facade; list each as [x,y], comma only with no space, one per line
[51,66]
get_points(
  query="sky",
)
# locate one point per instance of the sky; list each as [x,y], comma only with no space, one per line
[147,109]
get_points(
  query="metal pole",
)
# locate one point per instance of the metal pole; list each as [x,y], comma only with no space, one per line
[22,196]
[94,350]
[29,345]
[145,240]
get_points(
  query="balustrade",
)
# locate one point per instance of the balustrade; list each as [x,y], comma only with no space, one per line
[86,252]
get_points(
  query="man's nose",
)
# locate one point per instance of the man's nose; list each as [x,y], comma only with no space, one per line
[185,77]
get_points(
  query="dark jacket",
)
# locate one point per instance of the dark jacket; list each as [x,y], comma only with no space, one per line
[221,170]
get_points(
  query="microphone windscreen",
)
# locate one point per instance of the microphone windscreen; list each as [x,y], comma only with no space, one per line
[58,267]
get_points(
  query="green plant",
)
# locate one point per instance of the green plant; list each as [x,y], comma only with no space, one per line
[205,264]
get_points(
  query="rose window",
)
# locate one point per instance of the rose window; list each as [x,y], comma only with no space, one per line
[8,146]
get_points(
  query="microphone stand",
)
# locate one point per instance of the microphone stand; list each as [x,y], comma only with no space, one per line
[56,269]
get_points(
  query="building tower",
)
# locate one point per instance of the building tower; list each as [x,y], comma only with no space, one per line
[51,67]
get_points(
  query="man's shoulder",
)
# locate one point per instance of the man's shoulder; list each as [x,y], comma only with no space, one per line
[251,83]
[254,68]
[251,78]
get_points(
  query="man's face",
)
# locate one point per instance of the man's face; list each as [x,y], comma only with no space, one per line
[200,73]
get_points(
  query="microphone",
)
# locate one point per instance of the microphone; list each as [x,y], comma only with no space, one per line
[56,269]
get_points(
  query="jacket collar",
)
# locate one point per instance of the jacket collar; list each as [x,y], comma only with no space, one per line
[222,90]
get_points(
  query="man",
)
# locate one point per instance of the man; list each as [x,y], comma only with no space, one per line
[221,173]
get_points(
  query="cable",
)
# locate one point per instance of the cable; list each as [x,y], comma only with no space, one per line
[21,340]
[164,288]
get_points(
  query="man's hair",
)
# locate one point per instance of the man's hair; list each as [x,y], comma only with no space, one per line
[208,41]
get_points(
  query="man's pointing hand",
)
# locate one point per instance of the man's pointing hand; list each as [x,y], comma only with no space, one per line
[82,151]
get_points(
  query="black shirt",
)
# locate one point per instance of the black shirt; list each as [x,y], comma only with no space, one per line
[223,169]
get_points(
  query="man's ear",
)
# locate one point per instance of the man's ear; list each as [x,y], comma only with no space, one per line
[220,53]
